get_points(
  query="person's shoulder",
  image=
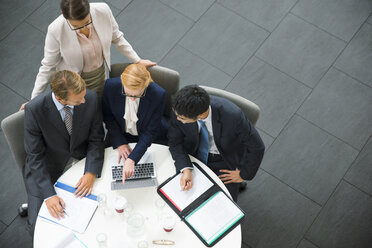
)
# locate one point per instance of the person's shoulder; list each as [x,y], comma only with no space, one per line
[112,83]
[57,24]
[40,102]
[156,89]
[225,106]
[100,7]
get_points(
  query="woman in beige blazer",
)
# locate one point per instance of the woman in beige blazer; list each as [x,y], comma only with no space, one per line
[79,40]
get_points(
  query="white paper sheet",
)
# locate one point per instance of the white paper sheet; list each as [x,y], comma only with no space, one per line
[79,211]
[214,217]
[66,239]
[180,198]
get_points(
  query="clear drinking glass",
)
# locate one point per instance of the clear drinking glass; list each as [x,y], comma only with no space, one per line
[135,225]
[101,240]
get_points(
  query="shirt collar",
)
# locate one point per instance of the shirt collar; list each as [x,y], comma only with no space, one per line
[209,117]
[58,104]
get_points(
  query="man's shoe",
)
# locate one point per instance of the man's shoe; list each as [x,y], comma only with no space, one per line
[23,210]
[242,186]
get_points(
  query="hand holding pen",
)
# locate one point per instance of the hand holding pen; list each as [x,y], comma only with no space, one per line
[186,179]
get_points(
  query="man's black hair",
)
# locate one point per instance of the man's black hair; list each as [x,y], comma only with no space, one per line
[191,101]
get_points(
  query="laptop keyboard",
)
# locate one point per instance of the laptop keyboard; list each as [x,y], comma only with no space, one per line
[145,170]
[131,184]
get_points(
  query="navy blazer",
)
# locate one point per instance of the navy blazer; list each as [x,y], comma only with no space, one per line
[236,138]
[151,125]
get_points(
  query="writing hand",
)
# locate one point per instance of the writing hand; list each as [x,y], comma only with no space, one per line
[231,176]
[186,179]
[85,185]
[55,206]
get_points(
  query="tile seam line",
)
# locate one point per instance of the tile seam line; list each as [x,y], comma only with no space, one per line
[121,11]
[278,69]
[245,18]
[180,39]
[356,187]
[179,12]
[340,53]
[249,58]
[15,92]
[32,25]
[24,19]
[320,28]
[357,80]
[334,190]
[330,134]
[292,188]
[255,52]
[201,58]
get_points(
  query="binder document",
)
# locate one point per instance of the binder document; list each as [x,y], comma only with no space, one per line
[205,208]
[79,211]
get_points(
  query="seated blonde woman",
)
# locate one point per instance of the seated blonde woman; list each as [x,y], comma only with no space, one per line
[133,109]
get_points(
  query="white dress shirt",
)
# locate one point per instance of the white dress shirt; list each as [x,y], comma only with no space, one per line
[208,123]
[130,115]
[60,107]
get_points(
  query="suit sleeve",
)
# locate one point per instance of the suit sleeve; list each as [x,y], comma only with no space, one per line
[120,42]
[253,148]
[35,159]
[95,151]
[113,128]
[175,141]
[52,57]
[151,132]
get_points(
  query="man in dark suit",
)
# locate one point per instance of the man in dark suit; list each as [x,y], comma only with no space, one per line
[60,126]
[217,132]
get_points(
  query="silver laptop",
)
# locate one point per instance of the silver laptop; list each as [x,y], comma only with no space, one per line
[144,174]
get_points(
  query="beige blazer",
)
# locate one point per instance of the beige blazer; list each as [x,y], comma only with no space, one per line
[62,49]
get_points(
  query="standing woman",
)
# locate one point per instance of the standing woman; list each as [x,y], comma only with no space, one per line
[79,40]
[133,108]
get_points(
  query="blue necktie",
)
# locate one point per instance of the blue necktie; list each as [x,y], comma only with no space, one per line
[203,149]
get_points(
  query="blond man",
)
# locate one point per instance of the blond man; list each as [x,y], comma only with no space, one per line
[61,126]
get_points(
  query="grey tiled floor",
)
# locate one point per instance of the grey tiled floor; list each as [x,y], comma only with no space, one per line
[306,63]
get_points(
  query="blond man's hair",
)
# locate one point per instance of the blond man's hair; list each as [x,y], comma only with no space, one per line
[135,77]
[67,81]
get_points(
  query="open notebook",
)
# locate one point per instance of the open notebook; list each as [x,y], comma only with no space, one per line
[205,208]
[79,210]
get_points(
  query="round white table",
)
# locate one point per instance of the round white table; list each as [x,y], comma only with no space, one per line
[142,200]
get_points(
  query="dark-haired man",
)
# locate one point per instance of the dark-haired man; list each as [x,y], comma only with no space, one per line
[217,132]
[61,125]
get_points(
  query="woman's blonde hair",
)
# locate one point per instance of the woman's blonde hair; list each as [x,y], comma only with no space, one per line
[65,81]
[135,77]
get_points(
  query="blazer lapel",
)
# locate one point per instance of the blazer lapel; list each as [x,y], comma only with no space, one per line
[54,117]
[104,33]
[143,108]
[73,57]
[216,126]
[77,118]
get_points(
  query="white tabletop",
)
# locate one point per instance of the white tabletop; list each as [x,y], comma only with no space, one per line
[142,200]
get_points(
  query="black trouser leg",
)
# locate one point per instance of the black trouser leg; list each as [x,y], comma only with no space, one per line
[216,165]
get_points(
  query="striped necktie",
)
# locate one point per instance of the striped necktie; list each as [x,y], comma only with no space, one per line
[203,148]
[68,119]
